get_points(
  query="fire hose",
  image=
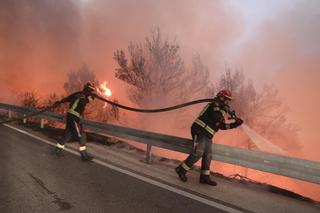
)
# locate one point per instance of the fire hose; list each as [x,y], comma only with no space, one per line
[155,110]
[230,112]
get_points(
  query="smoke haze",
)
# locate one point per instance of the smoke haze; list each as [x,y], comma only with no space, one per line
[285,50]
[42,40]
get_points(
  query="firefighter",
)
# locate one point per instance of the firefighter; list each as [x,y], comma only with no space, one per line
[78,102]
[210,120]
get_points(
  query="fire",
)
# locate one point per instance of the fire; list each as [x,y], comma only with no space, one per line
[104,91]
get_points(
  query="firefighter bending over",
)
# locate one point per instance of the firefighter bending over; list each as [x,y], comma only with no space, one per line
[210,120]
[78,102]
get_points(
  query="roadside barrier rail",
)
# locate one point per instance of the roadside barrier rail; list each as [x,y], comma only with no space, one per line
[277,164]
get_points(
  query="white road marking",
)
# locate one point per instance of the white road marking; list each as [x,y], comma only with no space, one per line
[140,177]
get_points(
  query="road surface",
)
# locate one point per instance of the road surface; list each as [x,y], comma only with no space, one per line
[32,179]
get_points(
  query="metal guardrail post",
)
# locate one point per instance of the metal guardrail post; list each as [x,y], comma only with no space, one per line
[10,114]
[148,154]
[41,123]
[24,120]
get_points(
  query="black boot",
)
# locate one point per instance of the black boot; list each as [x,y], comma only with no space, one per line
[58,152]
[182,173]
[205,179]
[85,156]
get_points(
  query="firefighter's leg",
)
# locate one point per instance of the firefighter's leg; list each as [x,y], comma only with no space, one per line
[182,169]
[82,143]
[205,165]
[197,152]
[66,137]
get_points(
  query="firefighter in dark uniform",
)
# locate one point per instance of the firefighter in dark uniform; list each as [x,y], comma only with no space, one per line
[78,102]
[210,120]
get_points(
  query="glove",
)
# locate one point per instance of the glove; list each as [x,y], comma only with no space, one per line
[238,122]
[232,115]
[230,111]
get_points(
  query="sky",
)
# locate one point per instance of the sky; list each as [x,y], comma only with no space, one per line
[273,42]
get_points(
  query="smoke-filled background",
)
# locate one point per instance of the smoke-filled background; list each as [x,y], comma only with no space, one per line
[271,42]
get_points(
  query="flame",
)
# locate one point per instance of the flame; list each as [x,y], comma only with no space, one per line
[104,91]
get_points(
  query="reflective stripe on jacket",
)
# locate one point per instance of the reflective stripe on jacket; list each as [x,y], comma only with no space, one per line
[210,120]
[78,102]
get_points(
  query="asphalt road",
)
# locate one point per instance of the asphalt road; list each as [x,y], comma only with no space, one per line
[32,179]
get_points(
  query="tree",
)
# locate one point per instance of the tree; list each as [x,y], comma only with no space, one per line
[154,72]
[196,81]
[196,85]
[157,75]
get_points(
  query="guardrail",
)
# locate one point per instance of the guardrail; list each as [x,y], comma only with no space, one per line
[281,165]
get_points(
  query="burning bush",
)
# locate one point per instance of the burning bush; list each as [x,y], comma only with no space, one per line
[29,99]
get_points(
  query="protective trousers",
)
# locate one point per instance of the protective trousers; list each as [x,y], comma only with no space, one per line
[73,128]
[202,149]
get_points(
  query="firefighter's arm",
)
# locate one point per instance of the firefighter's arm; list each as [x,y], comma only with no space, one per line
[65,99]
[233,125]
[221,124]
[238,122]
[91,98]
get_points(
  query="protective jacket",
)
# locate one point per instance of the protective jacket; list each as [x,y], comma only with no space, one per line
[78,102]
[210,120]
